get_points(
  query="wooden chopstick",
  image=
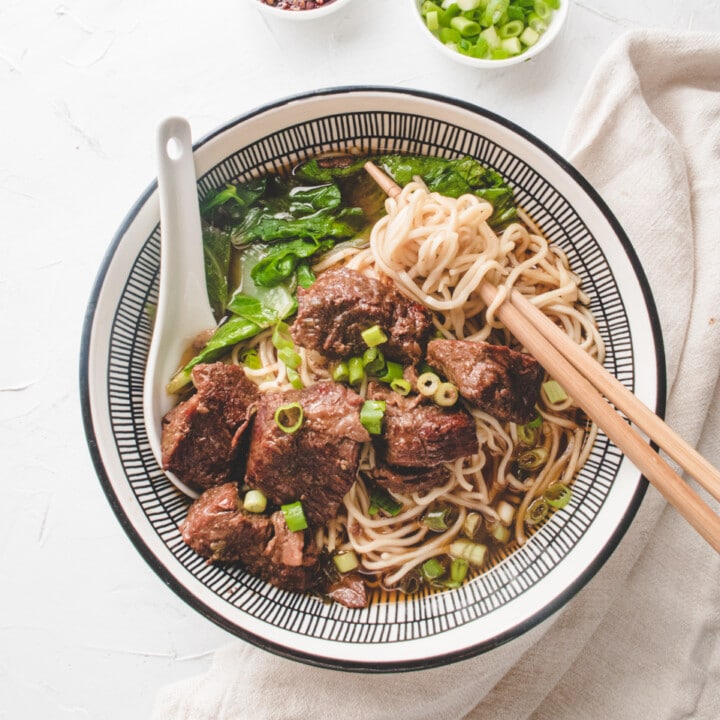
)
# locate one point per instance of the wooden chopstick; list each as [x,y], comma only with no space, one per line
[587,382]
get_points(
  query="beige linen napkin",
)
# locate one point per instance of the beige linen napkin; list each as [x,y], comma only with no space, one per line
[641,639]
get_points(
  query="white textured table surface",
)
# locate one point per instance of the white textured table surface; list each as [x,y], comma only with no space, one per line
[86,628]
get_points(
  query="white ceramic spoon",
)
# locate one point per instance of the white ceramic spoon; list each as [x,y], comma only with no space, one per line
[183,309]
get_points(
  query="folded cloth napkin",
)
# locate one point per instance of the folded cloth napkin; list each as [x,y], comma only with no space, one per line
[641,639]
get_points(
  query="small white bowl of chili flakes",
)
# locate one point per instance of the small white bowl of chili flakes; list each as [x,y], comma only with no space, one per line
[299,9]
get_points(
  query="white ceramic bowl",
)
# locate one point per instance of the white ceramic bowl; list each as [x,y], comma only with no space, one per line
[520,589]
[299,15]
[554,28]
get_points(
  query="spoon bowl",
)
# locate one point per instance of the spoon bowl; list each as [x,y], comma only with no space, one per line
[183,309]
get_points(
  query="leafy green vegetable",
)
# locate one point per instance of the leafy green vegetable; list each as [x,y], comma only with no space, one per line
[451,177]
[217,250]
[263,226]
[282,260]
[236,198]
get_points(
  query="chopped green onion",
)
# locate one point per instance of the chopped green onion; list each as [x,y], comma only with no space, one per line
[393,371]
[536,422]
[428,383]
[558,495]
[459,569]
[527,435]
[340,372]
[446,394]
[500,533]
[251,359]
[346,561]
[356,370]
[373,361]
[505,511]
[468,550]
[371,415]
[511,29]
[289,418]
[488,29]
[294,378]
[529,37]
[533,458]
[536,511]
[255,501]
[294,516]
[374,336]
[281,337]
[289,357]
[432,569]
[542,9]
[472,524]
[465,26]
[554,392]
[511,45]
[438,518]
[401,386]
[380,499]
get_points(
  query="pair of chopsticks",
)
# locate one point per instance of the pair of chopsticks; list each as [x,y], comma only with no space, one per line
[596,391]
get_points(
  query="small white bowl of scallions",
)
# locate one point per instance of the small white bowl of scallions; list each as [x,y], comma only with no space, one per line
[491,33]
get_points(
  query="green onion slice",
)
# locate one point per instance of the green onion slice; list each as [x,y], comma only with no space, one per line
[254,501]
[446,394]
[533,458]
[401,386]
[527,435]
[558,495]
[473,552]
[373,361]
[554,392]
[281,337]
[251,359]
[374,336]
[289,357]
[428,383]
[459,569]
[433,569]
[346,561]
[439,518]
[294,378]
[380,499]
[536,511]
[289,418]
[341,373]
[536,422]
[393,371]
[356,370]
[371,415]
[294,516]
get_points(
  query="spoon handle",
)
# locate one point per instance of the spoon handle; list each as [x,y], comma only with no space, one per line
[182,280]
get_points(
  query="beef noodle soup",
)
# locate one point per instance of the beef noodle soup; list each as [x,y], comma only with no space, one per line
[360,418]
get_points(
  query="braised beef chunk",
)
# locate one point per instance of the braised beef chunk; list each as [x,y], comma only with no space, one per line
[419,434]
[316,464]
[335,310]
[407,480]
[217,527]
[225,389]
[349,590]
[200,436]
[289,560]
[500,381]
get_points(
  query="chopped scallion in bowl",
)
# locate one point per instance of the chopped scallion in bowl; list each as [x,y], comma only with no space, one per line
[491,33]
